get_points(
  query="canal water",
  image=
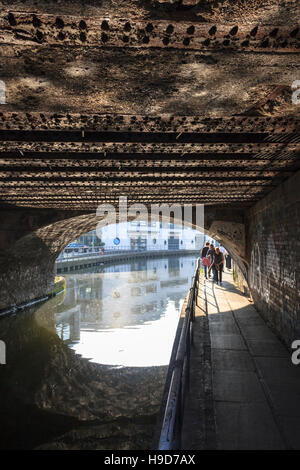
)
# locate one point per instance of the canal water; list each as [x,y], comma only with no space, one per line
[87,369]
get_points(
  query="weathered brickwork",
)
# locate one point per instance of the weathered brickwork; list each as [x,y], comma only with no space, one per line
[273,250]
[239,278]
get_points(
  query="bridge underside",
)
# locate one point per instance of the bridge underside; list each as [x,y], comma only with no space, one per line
[174,101]
[181,102]
[78,161]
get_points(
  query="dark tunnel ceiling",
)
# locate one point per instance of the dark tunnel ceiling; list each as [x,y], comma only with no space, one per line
[166,104]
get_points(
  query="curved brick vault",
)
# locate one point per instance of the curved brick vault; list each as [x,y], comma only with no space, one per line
[186,102]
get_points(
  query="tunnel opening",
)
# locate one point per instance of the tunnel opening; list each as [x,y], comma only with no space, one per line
[183,103]
[98,256]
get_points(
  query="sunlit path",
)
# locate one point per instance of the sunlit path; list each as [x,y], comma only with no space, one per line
[244,389]
[134,135]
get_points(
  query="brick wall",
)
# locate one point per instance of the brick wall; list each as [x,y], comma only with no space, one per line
[239,278]
[273,249]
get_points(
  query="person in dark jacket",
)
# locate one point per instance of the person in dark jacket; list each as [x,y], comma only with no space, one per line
[210,254]
[228,260]
[218,265]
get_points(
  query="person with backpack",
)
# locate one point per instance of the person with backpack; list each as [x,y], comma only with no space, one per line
[228,260]
[210,254]
[218,266]
[205,259]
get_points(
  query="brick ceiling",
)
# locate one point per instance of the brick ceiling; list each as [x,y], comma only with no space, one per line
[176,102]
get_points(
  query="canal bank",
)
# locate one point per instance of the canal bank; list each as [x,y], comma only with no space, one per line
[58,288]
[90,260]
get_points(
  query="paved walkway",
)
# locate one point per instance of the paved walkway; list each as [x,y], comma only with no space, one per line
[245,391]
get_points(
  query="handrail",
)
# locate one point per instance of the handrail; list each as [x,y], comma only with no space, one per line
[108,251]
[170,436]
[89,254]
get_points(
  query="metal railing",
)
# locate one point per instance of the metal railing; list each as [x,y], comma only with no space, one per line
[170,436]
[96,252]
[107,251]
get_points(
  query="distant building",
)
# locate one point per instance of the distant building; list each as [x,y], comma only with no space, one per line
[141,236]
[152,236]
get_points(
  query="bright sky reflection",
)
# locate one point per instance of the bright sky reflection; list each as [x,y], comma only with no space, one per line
[126,315]
[149,344]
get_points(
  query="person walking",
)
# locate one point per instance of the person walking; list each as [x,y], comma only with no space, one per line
[223,250]
[218,265]
[210,254]
[205,259]
[227,257]
[228,261]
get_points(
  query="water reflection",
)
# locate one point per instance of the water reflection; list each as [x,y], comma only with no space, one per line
[127,315]
[84,369]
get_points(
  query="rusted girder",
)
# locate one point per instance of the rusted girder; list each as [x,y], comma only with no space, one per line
[148,137]
[25,28]
[262,151]
[138,170]
[128,158]
[145,123]
[131,179]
